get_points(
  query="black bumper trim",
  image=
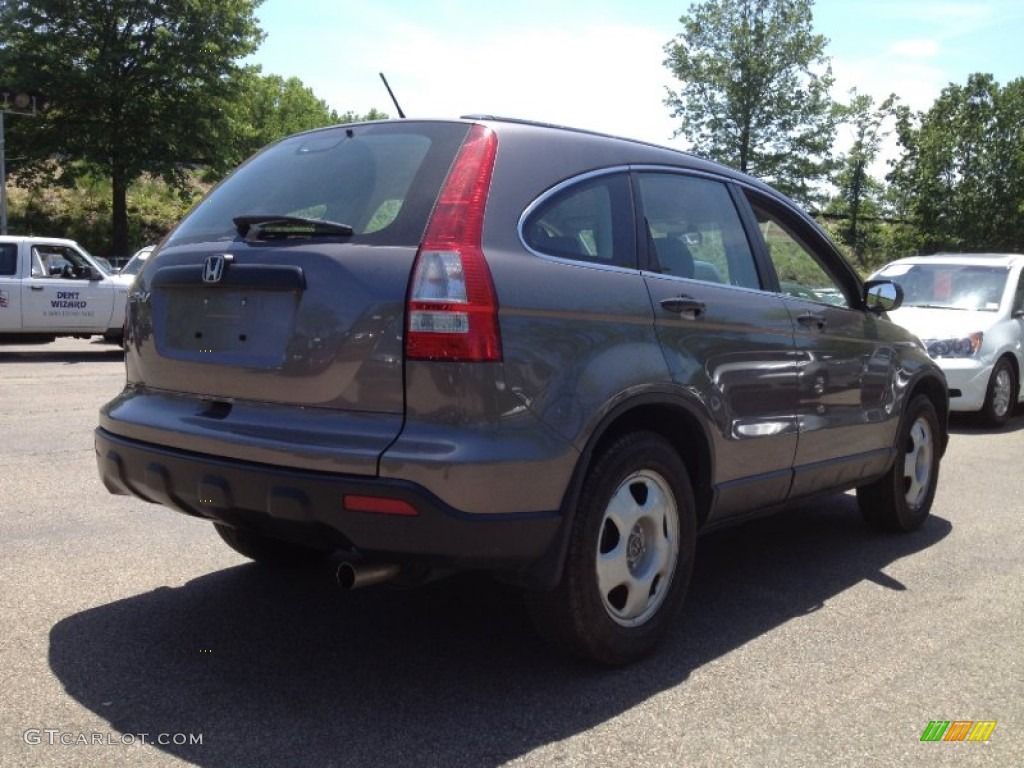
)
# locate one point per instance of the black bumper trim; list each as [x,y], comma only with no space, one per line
[307,507]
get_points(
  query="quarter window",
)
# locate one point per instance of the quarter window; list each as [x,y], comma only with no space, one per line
[588,221]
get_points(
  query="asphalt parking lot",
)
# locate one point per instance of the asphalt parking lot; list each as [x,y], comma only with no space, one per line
[133,636]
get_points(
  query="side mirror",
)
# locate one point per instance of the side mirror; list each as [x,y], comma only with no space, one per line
[882,296]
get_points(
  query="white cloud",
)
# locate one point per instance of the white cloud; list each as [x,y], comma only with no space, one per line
[602,78]
[914,49]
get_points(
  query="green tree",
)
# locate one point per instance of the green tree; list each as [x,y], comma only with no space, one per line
[275,107]
[755,90]
[962,170]
[135,86]
[860,197]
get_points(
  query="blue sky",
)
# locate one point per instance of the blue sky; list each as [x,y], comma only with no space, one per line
[598,64]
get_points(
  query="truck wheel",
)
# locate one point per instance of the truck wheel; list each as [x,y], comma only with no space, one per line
[114,337]
[1001,396]
[630,556]
[267,550]
[902,499]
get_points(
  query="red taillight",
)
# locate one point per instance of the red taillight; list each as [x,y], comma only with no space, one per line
[452,312]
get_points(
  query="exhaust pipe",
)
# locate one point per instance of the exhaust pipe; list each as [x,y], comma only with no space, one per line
[355,575]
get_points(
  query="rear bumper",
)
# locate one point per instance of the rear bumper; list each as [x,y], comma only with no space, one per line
[308,507]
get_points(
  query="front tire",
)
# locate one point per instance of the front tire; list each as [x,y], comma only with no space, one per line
[902,499]
[1001,395]
[630,556]
[269,551]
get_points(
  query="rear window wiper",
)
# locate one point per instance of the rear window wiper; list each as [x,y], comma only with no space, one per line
[272,226]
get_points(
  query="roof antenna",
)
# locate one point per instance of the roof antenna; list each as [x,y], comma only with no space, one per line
[392,95]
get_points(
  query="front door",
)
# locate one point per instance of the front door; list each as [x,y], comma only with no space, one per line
[66,296]
[846,386]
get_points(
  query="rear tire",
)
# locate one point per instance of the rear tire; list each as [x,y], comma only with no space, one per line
[902,499]
[269,551]
[630,557]
[1001,396]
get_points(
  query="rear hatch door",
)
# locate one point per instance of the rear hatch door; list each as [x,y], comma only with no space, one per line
[287,284]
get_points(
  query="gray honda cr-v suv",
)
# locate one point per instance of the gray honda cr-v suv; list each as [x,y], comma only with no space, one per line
[488,344]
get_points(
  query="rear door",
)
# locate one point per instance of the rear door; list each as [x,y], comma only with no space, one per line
[846,382]
[726,340]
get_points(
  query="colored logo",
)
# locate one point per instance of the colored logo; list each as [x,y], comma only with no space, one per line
[958,730]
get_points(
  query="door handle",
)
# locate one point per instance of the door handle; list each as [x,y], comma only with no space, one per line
[36,287]
[684,305]
[812,320]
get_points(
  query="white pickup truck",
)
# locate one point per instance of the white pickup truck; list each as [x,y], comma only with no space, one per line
[51,287]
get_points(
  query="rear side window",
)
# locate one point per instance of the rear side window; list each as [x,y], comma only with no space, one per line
[590,220]
[694,230]
[8,259]
[380,179]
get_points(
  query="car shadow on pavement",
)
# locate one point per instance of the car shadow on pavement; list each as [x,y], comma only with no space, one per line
[92,353]
[283,669]
[971,424]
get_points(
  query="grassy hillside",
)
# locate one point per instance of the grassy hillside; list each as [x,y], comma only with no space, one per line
[81,212]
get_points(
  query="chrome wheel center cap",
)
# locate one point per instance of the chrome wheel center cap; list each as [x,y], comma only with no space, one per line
[636,546]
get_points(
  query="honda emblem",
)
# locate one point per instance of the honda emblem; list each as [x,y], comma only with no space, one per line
[213,268]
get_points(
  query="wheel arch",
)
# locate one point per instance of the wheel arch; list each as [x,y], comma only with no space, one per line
[1015,365]
[936,391]
[1007,361]
[672,417]
[678,425]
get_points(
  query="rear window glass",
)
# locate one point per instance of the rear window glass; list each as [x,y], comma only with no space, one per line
[380,179]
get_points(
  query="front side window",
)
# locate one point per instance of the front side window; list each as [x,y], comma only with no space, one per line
[694,230]
[801,273]
[590,220]
[59,261]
